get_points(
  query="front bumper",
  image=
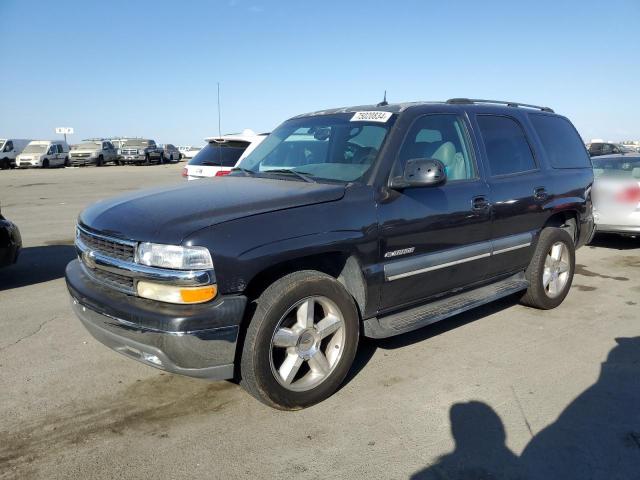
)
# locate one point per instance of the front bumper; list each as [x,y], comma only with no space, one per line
[194,340]
[77,161]
[10,243]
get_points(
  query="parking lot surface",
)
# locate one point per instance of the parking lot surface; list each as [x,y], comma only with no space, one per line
[469,396]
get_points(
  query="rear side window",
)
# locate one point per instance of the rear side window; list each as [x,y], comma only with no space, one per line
[507,148]
[219,154]
[560,141]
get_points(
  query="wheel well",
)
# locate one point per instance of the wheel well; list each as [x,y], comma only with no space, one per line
[341,266]
[567,220]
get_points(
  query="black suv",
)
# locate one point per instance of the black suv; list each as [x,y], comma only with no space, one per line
[372,220]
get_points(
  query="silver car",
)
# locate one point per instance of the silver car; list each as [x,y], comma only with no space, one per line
[616,193]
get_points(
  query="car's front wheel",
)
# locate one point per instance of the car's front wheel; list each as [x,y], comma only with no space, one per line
[550,272]
[301,341]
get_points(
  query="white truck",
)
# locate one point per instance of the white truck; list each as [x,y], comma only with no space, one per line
[10,148]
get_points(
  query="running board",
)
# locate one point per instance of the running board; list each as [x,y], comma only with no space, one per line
[424,315]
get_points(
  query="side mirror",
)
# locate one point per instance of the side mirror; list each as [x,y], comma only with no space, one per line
[421,172]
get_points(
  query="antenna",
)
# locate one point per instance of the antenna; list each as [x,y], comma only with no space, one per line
[384,102]
[219,125]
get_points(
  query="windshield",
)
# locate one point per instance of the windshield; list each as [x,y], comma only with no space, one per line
[87,146]
[325,147]
[219,154]
[35,148]
[624,167]
[136,143]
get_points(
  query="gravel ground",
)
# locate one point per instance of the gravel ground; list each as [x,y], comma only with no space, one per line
[503,391]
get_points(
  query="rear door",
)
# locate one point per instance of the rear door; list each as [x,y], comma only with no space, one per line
[518,190]
[435,239]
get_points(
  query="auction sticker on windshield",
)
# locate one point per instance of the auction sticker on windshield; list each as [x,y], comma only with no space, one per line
[371,117]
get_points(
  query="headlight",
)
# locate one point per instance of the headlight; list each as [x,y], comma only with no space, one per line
[141,152]
[174,256]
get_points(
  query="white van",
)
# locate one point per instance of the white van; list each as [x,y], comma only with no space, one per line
[10,148]
[45,154]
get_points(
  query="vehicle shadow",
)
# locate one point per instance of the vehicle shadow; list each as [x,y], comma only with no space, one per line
[37,265]
[597,436]
[616,242]
[368,346]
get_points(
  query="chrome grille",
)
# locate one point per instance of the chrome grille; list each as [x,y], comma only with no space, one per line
[113,280]
[109,247]
[129,151]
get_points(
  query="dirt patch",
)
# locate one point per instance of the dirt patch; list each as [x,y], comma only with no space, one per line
[628,261]
[146,405]
[584,288]
[582,270]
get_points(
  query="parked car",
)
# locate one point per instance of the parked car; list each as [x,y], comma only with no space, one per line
[93,152]
[10,242]
[10,148]
[603,148]
[387,218]
[189,152]
[616,194]
[170,153]
[221,154]
[140,151]
[182,149]
[45,154]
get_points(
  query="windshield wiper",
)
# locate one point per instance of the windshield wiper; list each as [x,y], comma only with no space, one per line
[303,175]
[246,171]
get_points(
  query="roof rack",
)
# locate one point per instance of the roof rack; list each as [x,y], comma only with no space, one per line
[465,101]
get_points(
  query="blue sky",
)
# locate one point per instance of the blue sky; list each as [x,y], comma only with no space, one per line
[149,68]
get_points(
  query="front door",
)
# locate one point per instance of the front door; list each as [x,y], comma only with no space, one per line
[435,239]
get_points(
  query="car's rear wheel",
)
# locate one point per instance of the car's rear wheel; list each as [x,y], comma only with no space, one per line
[301,341]
[551,270]
[5,163]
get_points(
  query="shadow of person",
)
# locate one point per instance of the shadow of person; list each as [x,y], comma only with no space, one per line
[37,265]
[598,435]
[480,452]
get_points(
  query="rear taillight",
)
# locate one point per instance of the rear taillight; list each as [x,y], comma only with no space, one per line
[185,172]
[222,173]
[629,195]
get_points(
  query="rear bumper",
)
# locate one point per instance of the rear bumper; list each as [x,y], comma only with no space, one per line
[193,340]
[627,229]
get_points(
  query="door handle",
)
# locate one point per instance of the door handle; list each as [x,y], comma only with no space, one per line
[540,193]
[480,203]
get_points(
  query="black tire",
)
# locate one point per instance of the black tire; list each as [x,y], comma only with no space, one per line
[5,164]
[45,163]
[537,295]
[147,159]
[100,161]
[255,365]
[171,158]
[66,161]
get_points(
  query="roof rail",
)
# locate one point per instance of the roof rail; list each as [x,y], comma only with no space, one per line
[465,101]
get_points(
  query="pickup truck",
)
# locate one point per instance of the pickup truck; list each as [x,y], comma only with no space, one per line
[373,220]
[141,151]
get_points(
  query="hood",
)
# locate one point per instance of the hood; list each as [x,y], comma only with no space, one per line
[168,215]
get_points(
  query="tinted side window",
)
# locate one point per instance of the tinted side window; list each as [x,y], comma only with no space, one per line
[442,137]
[507,148]
[606,149]
[595,148]
[560,141]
